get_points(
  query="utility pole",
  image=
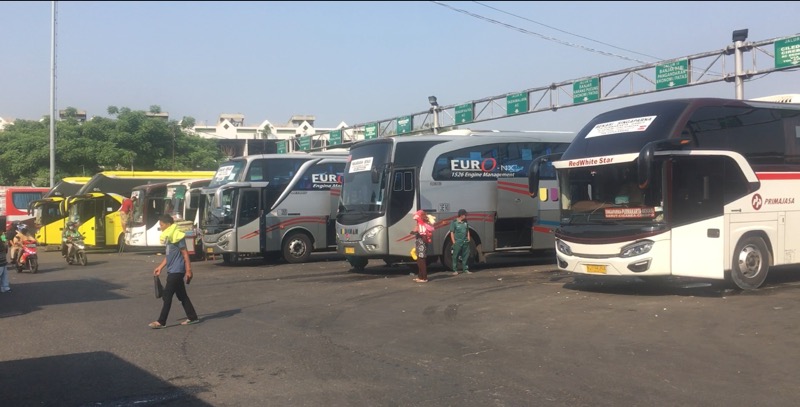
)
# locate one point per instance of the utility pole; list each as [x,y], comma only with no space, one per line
[53,95]
[738,40]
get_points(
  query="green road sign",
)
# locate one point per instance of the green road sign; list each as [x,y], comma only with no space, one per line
[586,90]
[672,75]
[305,143]
[517,103]
[464,113]
[405,124]
[371,131]
[787,52]
[281,146]
[335,138]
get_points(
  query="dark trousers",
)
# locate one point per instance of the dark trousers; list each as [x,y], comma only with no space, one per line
[175,286]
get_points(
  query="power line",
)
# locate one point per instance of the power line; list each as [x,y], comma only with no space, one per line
[542,36]
[566,32]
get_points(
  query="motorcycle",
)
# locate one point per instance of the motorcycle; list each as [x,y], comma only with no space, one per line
[28,259]
[77,252]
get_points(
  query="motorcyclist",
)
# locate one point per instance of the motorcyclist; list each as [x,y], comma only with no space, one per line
[18,240]
[70,234]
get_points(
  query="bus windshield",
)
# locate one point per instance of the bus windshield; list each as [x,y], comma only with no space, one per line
[365,178]
[222,215]
[176,195]
[610,194]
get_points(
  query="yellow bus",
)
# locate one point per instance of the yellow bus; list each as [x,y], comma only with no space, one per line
[95,208]
[48,214]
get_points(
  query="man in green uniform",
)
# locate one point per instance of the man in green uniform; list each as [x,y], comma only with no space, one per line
[459,236]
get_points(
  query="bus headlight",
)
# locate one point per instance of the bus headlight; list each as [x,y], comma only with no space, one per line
[636,249]
[369,234]
[563,248]
[224,240]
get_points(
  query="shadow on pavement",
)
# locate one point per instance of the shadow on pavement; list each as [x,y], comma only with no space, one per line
[87,379]
[29,297]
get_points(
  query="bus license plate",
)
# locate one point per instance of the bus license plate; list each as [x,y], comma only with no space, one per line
[349,250]
[596,268]
[210,250]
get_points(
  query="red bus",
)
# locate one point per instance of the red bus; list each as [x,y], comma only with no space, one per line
[14,203]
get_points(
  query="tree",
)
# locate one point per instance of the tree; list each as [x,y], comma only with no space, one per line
[132,139]
[155,109]
[113,111]
[187,122]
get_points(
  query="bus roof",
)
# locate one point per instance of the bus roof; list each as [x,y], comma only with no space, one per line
[122,182]
[466,134]
[67,186]
[191,183]
[631,127]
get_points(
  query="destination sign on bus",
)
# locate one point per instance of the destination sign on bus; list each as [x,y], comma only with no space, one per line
[361,165]
[635,124]
[223,172]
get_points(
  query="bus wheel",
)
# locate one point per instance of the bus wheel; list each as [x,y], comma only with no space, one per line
[751,262]
[230,258]
[297,248]
[358,263]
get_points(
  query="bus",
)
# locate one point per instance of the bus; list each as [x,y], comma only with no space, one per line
[485,172]
[183,203]
[48,214]
[14,202]
[713,191]
[95,207]
[273,205]
[154,200]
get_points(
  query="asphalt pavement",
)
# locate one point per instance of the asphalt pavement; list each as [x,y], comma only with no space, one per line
[516,332]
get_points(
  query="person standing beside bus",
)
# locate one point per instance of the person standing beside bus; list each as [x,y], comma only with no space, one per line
[459,236]
[176,261]
[424,236]
[125,211]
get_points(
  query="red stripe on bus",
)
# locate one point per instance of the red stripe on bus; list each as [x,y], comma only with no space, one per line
[516,191]
[777,175]
[542,229]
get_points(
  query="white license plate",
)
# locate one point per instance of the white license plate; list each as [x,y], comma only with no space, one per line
[349,250]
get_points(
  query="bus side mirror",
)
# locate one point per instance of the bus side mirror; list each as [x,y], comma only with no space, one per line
[536,169]
[375,175]
[644,165]
[533,177]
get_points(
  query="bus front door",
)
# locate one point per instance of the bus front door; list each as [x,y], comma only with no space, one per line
[400,211]
[249,233]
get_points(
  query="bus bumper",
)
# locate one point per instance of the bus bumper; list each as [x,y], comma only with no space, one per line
[607,260]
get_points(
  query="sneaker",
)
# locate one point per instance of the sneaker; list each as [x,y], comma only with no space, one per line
[8,290]
[467,272]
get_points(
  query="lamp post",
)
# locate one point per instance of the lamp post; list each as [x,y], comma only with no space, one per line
[435,111]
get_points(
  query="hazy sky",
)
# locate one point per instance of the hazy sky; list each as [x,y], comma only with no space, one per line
[356,62]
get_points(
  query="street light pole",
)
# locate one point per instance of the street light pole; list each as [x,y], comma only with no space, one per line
[53,95]
[435,110]
[738,40]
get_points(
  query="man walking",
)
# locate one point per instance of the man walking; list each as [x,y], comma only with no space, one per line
[459,236]
[176,261]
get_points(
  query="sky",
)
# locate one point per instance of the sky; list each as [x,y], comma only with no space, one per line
[358,62]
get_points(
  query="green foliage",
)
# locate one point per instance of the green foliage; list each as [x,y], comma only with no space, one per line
[131,140]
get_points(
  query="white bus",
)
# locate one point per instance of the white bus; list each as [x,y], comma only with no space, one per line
[273,205]
[182,202]
[714,191]
[483,172]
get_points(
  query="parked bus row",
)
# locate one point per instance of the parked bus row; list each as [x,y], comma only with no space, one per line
[94,207]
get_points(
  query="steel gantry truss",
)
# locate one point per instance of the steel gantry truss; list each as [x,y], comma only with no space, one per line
[728,64]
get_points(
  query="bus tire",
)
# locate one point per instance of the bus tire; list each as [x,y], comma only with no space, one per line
[358,263]
[230,258]
[750,265]
[297,248]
